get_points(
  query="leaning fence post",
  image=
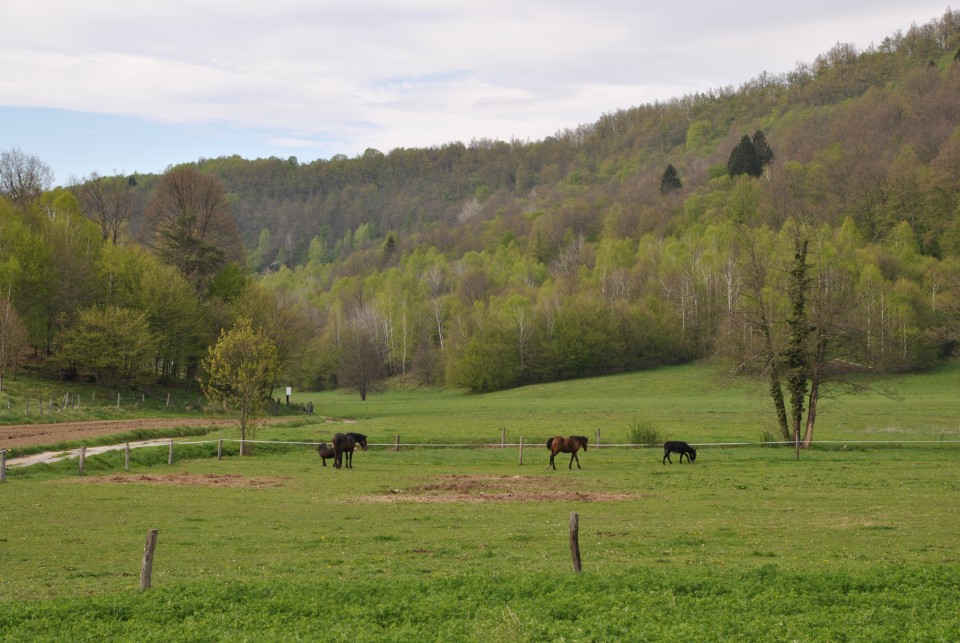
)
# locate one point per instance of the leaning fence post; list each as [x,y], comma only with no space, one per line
[575,541]
[83,458]
[146,567]
[170,454]
[3,465]
[126,458]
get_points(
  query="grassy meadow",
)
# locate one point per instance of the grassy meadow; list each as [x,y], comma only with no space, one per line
[852,541]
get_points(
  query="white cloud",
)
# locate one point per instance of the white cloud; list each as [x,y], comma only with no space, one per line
[385,73]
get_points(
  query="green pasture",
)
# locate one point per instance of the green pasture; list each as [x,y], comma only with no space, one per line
[692,403]
[852,541]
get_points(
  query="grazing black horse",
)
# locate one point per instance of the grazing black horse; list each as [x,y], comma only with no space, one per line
[325,451]
[360,439]
[572,444]
[682,448]
[344,444]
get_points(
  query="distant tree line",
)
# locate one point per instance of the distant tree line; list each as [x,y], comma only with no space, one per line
[496,264]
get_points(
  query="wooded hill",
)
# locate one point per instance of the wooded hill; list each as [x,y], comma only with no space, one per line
[810,216]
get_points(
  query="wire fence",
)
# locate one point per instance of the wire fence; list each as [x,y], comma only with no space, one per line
[169,443]
[41,403]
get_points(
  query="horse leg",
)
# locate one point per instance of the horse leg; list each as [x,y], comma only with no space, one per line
[666,457]
[551,462]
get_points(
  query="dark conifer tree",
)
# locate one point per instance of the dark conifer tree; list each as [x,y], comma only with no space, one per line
[762,149]
[743,159]
[670,181]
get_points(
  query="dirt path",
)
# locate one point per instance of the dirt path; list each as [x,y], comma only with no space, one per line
[55,456]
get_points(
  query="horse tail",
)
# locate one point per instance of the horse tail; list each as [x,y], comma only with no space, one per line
[550,443]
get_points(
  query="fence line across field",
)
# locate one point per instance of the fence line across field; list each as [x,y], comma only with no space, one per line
[396,445]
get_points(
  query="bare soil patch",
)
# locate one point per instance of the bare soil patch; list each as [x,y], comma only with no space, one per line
[194,479]
[477,488]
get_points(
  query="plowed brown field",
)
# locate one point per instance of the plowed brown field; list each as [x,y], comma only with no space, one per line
[25,435]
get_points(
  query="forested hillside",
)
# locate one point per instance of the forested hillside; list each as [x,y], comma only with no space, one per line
[797,226]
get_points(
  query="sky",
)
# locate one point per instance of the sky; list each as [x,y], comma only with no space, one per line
[116,88]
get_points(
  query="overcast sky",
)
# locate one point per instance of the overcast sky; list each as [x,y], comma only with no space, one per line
[135,86]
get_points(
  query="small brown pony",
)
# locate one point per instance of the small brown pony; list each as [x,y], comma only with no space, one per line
[572,444]
[326,452]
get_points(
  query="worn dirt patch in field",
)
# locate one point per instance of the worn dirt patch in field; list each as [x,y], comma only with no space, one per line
[191,479]
[478,488]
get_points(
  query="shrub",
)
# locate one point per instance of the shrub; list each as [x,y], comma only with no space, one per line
[644,433]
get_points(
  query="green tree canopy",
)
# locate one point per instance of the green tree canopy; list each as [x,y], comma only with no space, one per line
[112,343]
[241,371]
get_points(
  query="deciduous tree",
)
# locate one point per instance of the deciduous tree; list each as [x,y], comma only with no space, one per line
[108,201]
[112,343]
[192,226]
[13,335]
[241,369]
[23,178]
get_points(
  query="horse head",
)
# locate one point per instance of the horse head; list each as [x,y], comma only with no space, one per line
[360,439]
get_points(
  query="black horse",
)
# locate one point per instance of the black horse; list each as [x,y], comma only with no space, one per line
[682,448]
[572,444]
[344,443]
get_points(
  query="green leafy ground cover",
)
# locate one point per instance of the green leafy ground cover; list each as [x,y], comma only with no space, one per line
[748,543]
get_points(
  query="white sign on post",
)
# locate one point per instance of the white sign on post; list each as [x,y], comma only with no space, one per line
[289,390]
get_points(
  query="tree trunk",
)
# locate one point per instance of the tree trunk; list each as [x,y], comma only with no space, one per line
[816,376]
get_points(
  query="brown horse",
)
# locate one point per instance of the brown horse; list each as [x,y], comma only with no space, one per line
[571,445]
[325,451]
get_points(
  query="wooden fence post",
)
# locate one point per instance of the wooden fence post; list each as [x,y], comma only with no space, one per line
[503,437]
[575,541]
[83,458]
[170,454]
[126,458]
[220,449]
[146,566]
[118,400]
[3,465]
[598,438]
[396,443]
[521,449]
